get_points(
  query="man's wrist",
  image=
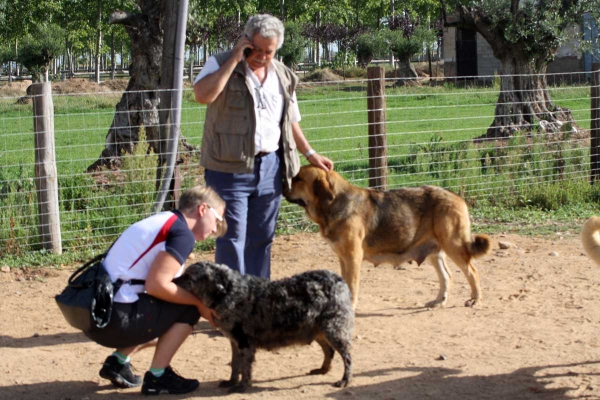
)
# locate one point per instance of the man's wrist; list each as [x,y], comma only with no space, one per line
[310,153]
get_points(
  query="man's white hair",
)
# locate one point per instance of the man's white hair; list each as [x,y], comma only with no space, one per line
[266,26]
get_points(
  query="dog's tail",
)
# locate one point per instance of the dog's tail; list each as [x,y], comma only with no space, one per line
[480,245]
[590,238]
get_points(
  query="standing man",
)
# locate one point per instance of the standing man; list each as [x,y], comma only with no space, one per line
[250,143]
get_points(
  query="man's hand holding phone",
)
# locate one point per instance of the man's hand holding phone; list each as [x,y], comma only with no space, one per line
[243,48]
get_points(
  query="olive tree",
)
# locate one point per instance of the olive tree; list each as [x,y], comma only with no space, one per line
[525,36]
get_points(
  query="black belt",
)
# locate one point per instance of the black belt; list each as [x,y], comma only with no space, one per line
[261,154]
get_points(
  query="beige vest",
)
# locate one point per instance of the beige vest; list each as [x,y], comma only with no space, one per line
[229,127]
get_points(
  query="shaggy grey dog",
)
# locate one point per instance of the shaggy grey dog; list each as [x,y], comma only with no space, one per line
[257,313]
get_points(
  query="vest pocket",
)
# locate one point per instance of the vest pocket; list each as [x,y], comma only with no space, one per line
[232,139]
[236,99]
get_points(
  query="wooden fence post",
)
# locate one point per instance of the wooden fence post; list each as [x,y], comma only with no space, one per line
[377,128]
[46,178]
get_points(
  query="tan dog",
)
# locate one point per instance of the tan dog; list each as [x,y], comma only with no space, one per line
[590,238]
[393,226]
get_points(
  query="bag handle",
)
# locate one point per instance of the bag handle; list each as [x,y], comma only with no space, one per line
[85,266]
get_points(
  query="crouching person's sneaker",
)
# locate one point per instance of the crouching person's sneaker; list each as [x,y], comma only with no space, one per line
[168,383]
[119,374]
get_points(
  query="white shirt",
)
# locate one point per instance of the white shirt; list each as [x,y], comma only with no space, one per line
[268,105]
[131,256]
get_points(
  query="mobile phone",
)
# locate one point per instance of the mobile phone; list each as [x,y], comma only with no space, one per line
[247,50]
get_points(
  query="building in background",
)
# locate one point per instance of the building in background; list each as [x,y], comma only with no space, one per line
[467,54]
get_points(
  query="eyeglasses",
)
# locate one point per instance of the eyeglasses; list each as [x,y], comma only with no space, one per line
[215,213]
[261,101]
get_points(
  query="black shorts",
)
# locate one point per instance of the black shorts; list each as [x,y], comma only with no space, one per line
[132,324]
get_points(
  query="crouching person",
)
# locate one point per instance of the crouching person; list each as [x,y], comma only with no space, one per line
[157,312]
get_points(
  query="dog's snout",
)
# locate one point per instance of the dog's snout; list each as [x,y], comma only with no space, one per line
[299,202]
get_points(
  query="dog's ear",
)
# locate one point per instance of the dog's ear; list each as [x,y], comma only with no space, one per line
[323,190]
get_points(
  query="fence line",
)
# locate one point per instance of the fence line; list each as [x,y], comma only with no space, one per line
[430,127]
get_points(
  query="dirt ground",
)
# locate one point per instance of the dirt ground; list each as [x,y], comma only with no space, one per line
[535,336]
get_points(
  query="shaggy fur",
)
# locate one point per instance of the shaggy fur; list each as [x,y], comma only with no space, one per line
[392,226]
[257,313]
[590,238]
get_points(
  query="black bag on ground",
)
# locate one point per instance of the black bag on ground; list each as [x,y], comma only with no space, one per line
[87,300]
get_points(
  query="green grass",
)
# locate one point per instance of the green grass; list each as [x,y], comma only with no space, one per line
[517,186]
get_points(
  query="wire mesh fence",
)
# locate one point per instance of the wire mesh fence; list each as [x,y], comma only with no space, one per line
[436,135]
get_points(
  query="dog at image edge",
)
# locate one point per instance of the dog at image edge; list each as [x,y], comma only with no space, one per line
[590,238]
[257,313]
[395,226]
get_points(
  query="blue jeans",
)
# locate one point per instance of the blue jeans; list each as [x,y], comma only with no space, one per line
[251,213]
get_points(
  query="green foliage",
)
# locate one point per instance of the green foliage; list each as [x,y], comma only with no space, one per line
[40,47]
[369,46]
[404,47]
[19,17]
[7,53]
[343,59]
[292,51]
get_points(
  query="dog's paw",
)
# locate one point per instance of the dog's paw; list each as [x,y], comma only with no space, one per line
[435,304]
[342,383]
[473,302]
[319,371]
[227,384]
[239,388]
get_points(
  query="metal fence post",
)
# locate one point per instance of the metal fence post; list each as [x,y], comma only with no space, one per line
[377,128]
[46,178]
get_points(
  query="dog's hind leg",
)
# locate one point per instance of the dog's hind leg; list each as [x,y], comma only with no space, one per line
[343,348]
[453,231]
[235,367]
[328,352]
[339,340]
[444,277]
[463,260]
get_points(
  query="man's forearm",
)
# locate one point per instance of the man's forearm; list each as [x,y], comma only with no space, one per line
[301,143]
[210,87]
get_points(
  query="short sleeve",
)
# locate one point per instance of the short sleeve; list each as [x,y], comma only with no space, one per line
[294,112]
[180,241]
[210,67]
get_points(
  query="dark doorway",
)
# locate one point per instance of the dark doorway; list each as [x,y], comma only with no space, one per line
[466,52]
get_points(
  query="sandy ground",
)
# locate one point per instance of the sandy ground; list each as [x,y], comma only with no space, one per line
[535,336]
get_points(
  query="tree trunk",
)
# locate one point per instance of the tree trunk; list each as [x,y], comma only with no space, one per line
[407,70]
[169,25]
[139,104]
[71,65]
[98,43]
[317,42]
[193,50]
[112,57]
[18,70]
[524,103]
[429,62]
[122,57]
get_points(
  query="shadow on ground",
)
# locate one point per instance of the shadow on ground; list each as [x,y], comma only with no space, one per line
[42,340]
[435,383]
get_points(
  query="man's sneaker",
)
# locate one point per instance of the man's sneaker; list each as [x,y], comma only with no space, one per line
[168,383]
[119,374]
